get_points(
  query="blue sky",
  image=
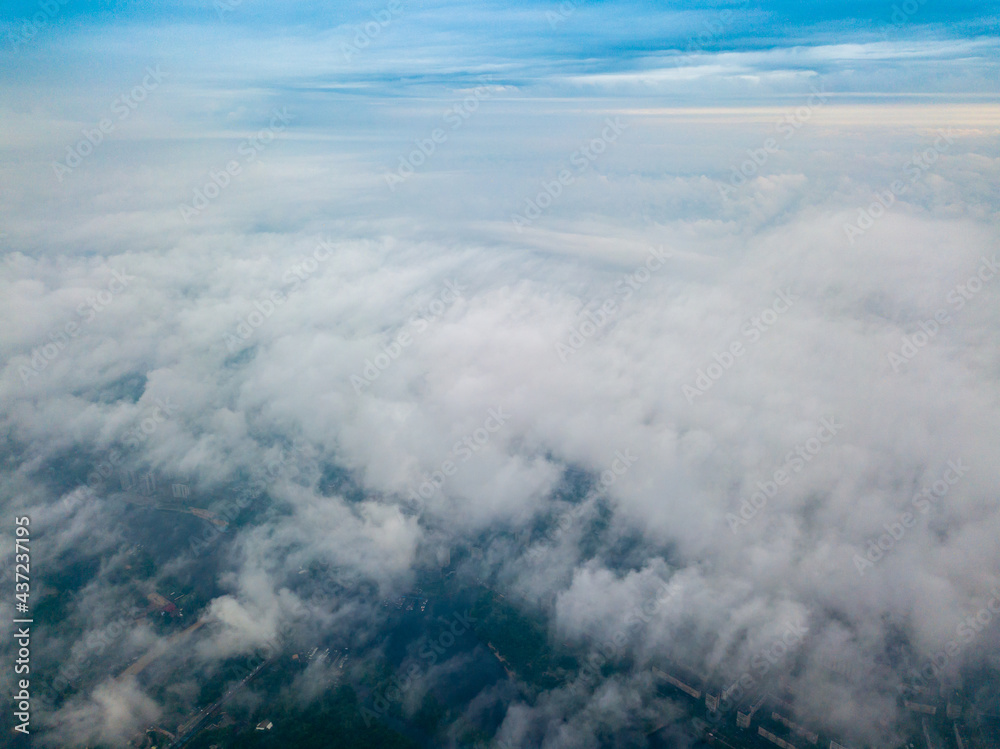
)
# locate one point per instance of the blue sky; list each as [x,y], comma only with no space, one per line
[742,50]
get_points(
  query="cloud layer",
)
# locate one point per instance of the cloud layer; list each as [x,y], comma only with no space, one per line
[681,322]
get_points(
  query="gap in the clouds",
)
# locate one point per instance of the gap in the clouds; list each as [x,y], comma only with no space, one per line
[337,480]
[575,483]
[240,358]
[573,524]
[128,387]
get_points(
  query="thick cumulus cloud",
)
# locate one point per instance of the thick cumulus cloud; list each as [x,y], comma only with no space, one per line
[758,395]
[112,714]
[766,335]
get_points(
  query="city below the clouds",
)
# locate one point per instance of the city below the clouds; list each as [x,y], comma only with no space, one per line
[561,374]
